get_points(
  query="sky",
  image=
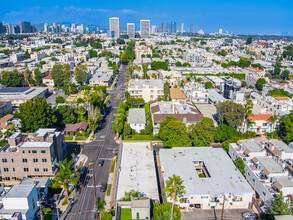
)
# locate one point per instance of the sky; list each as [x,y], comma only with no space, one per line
[237,16]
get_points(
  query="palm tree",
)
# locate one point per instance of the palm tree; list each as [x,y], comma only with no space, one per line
[65,176]
[273,119]
[100,204]
[249,123]
[174,188]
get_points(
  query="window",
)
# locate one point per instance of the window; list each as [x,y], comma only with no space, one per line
[35,160]
[44,160]
[45,169]
[34,151]
[24,160]
[5,169]
[12,160]
[29,151]
[204,197]
[265,124]
[33,201]
[4,160]
[43,151]
[13,169]
[25,169]
[23,151]
[37,169]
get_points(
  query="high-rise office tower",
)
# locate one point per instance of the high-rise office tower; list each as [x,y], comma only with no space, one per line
[192,28]
[131,30]
[173,28]
[72,28]
[154,29]
[25,27]
[46,27]
[114,27]
[220,31]
[2,28]
[182,27]
[145,28]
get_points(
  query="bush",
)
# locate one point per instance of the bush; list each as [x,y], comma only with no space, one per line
[3,142]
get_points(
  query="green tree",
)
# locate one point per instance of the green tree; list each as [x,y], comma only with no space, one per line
[100,204]
[249,40]
[65,176]
[37,77]
[286,74]
[93,53]
[279,206]
[60,99]
[224,132]
[174,188]
[60,73]
[65,115]
[230,113]
[208,85]
[174,133]
[163,211]
[80,72]
[127,130]
[157,65]
[240,165]
[278,93]
[167,91]
[106,215]
[35,114]
[12,79]
[286,128]
[202,133]
[259,83]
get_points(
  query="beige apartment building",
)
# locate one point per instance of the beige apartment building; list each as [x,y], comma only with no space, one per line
[147,89]
[32,156]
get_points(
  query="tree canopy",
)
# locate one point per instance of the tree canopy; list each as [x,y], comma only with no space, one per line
[230,113]
[35,114]
[279,206]
[259,83]
[163,211]
[80,74]
[174,133]
[157,65]
[12,79]
[60,73]
[202,133]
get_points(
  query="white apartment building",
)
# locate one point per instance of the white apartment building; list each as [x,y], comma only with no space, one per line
[131,30]
[196,93]
[193,57]
[144,28]
[266,167]
[260,124]
[146,89]
[114,27]
[209,176]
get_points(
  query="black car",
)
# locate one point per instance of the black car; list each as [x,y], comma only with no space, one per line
[103,187]
[100,163]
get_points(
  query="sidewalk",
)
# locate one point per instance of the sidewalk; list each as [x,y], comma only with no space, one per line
[111,180]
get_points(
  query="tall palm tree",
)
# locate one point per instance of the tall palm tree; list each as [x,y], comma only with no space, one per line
[250,123]
[174,188]
[65,176]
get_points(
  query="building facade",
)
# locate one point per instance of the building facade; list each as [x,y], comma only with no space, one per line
[144,28]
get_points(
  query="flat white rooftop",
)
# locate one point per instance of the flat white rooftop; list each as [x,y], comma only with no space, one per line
[224,177]
[137,170]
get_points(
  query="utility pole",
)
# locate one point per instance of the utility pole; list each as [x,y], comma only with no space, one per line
[222,215]
[95,195]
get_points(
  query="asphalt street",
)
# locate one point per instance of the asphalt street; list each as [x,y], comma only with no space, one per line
[104,148]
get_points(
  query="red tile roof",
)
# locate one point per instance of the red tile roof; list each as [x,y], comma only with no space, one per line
[282,98]
[255,69]
[47,77]
[260,117]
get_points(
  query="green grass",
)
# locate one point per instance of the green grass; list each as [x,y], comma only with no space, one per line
[65,201]
[80,138]
[3,142]
[125,214]
[202,175]
[109,189]
[139,137]
[113,165]
[68,138]
[47,213]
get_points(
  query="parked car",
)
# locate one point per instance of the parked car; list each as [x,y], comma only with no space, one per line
[248,216]
[81,170]
[103,187]
[100,163]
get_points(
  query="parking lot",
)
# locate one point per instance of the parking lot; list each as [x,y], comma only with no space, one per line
[213,214]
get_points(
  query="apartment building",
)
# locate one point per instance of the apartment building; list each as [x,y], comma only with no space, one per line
[267,167]
[32,156]
[196,93]
[193,57]
[260,124]
[146,89]
[209,177]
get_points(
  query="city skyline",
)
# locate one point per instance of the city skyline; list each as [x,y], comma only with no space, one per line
[241,17]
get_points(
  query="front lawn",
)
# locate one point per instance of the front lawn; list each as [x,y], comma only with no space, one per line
[125,214]
[80,138]
[68,138]
[109,189]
